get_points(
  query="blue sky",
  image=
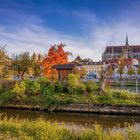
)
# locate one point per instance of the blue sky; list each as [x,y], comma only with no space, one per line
[85,26]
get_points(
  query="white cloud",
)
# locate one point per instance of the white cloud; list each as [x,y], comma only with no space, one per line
[37,38]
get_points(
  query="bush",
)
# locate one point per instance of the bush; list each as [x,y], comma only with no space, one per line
[73,82]
[81,88]
[43,81]
[92,86]
[48,90]
[8,85]
[59,87]
[7,97]
[32,87]
[20,89]
[123,94]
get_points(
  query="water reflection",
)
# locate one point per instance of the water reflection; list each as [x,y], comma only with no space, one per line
[77,119]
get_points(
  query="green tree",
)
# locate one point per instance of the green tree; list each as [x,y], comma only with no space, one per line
[4,64]
[4,58]
[37,69]
[121,65]
[110,71]
[21,63]
[138,71]
[73,82]
[131,71]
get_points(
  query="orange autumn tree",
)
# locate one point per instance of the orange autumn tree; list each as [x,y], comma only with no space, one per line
[56,55]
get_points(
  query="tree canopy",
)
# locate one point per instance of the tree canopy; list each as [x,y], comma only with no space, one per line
[56,55]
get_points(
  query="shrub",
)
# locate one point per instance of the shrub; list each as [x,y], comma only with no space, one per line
[48,90]
[20,89]
[91,86]
[59,87]
[7,97]
[123,94]
[43,81]
[73,82]
[32,87]
[8,85]
[52,100]
[81,88]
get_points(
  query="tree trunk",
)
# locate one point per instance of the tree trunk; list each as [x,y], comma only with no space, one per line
[102,87]
[103,82]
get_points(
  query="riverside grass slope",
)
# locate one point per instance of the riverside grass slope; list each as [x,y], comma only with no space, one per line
[16,129]
[45,95]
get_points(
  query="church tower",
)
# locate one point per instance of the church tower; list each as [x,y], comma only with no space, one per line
[125,49]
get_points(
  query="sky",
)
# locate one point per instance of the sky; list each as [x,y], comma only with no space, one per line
[85,26]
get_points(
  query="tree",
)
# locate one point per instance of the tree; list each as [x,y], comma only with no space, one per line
[131,71]
[21,63]
[103,75]
[110,71]
[73,82]
[37,69]
[4,64]
[121,65]
[56,55]
[4,58]
[138,71]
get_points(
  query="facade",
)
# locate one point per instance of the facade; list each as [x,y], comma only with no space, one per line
[127,51]
[93,68]
[89,66]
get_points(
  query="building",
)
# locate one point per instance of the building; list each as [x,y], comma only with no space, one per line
[90,66]
[127,51]
[93,67]
[64,70]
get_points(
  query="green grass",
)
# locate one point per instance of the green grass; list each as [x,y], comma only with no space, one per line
[16,129]
[126,83]
[45,93]
[111,97]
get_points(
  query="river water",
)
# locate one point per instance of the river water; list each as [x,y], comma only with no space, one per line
[76,119]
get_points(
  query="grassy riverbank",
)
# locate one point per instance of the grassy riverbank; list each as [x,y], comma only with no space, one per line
[41,130]
[126,83]
[44,93]
[112,97]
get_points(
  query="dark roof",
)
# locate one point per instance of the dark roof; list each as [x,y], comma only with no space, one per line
[93,63]
[118,49]
[64,66]
[78,58]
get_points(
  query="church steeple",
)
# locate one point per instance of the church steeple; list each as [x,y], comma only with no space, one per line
[126,40]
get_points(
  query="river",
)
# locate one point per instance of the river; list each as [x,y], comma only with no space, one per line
[76,119]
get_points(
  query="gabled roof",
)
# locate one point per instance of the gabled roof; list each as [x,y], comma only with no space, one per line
[78,58]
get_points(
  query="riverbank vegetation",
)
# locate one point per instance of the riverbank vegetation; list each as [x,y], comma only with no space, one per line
[45,93]
[126,83]
[14,128]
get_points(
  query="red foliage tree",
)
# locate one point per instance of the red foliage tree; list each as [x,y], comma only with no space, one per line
[56,55]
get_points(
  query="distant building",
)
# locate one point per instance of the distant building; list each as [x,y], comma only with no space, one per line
[90,66]
[93,68]
[127,51]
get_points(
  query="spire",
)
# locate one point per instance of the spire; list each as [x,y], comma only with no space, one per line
[34,56]
[126,40]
